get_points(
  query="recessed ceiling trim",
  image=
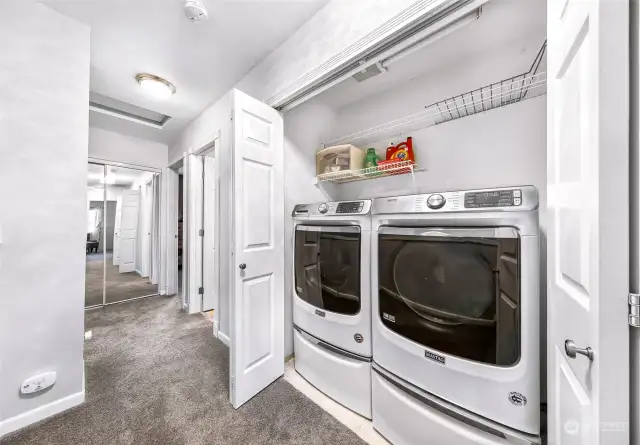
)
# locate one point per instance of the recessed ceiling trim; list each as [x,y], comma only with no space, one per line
[110,111]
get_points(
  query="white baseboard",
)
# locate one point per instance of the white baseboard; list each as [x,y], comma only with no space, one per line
[224,338]
[42,412]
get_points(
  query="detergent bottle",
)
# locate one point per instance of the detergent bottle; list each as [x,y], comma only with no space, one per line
[401,152]
[371,160]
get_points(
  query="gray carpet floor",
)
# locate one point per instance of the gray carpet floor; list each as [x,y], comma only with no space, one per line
[120,286]
[157,376]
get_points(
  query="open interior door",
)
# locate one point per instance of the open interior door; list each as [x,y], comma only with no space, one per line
[129,230]
[588,222]
[257,297]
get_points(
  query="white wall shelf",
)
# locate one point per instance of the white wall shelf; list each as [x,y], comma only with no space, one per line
[498,94]
[392,169]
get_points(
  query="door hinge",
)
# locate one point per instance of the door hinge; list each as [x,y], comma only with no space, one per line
[634,310]
[201,232]
[201,290]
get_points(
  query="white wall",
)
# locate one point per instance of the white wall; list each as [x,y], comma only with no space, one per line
[44,91]
[115,147]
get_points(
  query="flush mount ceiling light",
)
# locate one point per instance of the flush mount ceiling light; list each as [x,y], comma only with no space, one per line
[156,86]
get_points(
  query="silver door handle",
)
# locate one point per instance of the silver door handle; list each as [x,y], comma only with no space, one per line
[572,350]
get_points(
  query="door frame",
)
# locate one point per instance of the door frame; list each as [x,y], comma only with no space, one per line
[173,186]
[192,223]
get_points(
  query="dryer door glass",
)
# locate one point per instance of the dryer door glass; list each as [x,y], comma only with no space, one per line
[453,290]
[327,267]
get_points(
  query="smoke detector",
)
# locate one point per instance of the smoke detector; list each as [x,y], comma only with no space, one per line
[195,11]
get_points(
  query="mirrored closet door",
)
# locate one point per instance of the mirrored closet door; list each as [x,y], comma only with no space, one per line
[123,255]
[94,280]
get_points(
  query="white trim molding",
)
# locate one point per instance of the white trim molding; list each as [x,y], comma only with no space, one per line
[42,412]
[224,338]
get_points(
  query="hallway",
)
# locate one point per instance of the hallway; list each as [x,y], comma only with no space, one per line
[155,375]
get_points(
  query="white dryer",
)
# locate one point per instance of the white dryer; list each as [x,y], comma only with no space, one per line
[455,285]
[332,300]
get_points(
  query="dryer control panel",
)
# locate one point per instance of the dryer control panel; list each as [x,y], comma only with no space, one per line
[340,208]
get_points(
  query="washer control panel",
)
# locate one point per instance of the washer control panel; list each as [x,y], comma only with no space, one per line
[493,198]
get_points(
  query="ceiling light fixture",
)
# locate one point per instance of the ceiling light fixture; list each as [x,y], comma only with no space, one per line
[156,86]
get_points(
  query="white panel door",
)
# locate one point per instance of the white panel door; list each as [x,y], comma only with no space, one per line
[257,303]
[209,257]
[588,234]
[129,230]
[116,232]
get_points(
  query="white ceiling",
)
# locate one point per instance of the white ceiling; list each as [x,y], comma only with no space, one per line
[203,60]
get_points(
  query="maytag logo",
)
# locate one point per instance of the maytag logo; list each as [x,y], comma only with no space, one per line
[435,357]
[320,313]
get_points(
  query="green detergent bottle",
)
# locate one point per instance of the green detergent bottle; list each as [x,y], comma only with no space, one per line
[371,160]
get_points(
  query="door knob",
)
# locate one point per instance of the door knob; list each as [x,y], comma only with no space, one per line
[242,266]
[572,350]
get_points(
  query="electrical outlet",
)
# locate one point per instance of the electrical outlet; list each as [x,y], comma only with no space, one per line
[38,382]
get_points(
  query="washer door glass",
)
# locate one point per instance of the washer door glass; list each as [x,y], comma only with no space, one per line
[453,290]
[327,267]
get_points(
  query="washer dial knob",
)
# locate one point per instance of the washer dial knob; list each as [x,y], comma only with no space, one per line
[436,201]
[322,208]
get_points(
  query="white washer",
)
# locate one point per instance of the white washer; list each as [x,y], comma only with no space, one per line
[455,285]
[332,300]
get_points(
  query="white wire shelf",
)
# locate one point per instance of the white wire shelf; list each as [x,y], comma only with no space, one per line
[391,169]
[499,94]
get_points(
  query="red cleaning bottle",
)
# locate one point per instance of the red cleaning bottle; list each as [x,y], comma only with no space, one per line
[401,152]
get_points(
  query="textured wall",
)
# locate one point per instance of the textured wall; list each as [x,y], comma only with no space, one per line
[44,122]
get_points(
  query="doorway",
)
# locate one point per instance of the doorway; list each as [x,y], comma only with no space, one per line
[202,208]
[123,234]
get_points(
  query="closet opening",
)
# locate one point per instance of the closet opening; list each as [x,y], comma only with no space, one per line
[123,234]
[463,112]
